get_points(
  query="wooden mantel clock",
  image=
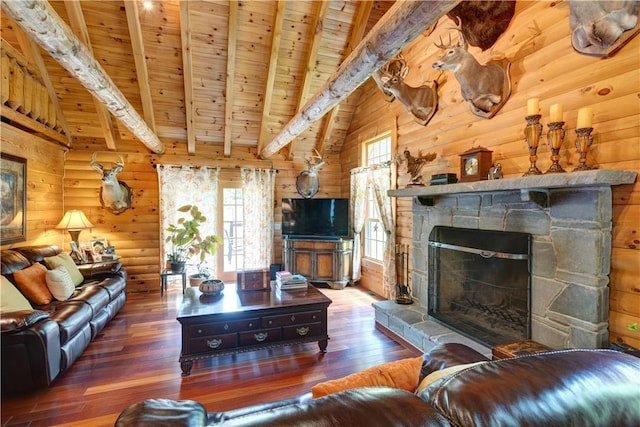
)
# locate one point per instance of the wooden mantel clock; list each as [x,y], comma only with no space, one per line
[475,164]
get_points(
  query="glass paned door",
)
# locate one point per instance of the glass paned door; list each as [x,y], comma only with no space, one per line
[232,254]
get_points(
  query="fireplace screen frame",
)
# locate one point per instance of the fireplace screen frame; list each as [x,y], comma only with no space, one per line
[513,253]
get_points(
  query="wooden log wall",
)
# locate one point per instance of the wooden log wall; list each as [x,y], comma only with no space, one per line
[135,233]
[45,170]
[544,65]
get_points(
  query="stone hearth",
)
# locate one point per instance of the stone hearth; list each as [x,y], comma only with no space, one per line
[569,218]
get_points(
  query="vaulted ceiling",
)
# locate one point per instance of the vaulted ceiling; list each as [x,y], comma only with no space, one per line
[226,74]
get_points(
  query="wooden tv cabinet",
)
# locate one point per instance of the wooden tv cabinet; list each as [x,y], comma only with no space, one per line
[326,261]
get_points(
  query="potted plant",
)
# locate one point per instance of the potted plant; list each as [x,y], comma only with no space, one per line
[187,242]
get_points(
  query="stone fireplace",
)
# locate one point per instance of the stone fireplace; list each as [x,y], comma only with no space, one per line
[568,217]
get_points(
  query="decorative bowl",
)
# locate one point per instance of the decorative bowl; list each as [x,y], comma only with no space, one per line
[212,287]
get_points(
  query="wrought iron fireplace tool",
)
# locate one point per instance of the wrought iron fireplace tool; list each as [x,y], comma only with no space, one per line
[403,291]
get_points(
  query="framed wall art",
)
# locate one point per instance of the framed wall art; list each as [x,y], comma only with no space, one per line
[13,176]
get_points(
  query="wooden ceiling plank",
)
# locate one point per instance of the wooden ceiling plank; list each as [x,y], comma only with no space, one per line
[403,22]
[230,80]
[187,74]
[142,73]
[32,53]
[318,29]
[362,16]
[42,24]
[278,22]
[79,26]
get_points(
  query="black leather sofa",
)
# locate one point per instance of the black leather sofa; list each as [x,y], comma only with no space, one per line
[558,388]
[38,345]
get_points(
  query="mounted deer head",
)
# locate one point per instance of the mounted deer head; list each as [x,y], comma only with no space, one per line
[390,69]
[421,102]
[114,195]
[308,182]
[483,86]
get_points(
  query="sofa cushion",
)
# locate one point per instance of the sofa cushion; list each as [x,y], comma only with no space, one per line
[32,283]
[10,298]
[114,285]
[60,283]
[94,296]
[567,387]
[71,318]
[64,259]
[402,374]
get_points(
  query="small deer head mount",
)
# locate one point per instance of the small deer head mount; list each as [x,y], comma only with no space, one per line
[115,195]
[308,182]
[421,102]
[485,87]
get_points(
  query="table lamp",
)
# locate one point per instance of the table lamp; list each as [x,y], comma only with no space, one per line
[74,221]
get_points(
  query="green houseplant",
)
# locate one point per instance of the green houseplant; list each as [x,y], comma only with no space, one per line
[187,241]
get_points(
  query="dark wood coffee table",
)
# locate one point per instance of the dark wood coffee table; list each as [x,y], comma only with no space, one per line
[245,321]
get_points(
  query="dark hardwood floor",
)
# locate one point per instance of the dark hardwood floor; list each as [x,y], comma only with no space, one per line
[136,357]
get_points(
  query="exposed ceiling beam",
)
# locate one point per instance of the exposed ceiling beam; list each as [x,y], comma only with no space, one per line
[404,21]
[32,53]
[42,24]
[318,30]
[362,15]
[187,74]
[278,22]
[139,57]
[231,73]
[79,26]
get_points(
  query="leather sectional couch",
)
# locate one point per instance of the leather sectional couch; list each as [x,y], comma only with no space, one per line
[39,344]
[557,388]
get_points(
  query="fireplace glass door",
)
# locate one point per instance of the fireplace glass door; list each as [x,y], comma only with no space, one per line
[480,283]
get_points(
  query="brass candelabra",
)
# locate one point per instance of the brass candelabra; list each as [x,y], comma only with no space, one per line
[555,136]
[532,133]
[584,139]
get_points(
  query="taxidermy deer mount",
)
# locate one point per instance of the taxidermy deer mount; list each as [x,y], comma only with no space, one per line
[485,87]
[308,182]
[115,195]
[421,102]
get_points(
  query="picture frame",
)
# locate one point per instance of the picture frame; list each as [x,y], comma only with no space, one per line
[99,248]
[13,215]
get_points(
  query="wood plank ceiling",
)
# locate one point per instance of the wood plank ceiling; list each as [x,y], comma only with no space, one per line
[171,63]
[225,74]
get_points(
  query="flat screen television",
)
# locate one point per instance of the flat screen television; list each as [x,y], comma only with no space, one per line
[315,218]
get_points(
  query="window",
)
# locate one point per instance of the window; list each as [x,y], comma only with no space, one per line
[378,150]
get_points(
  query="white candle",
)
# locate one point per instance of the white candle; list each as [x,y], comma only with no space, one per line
[585,116]
[555,113]
[532,106]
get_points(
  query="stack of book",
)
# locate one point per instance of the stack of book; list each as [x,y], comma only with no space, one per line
[285,281]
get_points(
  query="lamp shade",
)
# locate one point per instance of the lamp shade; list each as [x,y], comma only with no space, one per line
[74,220]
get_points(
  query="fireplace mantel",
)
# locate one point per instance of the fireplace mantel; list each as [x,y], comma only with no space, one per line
[536,183]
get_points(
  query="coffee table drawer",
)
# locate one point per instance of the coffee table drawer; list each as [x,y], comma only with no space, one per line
[212,343]
[259,337]
[291,319]
[297,331]
[206,329]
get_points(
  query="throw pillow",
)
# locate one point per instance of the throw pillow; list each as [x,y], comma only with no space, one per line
[59,283]
[402,374]
[32,283]
[64,258]
[11,299]
[441,373]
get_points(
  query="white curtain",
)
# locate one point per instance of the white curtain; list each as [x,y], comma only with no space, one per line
[186,185]
[380,179]
[258,186]
[358,191]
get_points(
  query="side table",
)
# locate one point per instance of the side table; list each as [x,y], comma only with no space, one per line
[166,273]
[518,348]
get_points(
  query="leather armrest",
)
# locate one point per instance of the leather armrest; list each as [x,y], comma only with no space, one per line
[17,320]
[93,271]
